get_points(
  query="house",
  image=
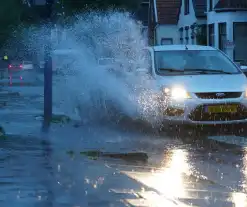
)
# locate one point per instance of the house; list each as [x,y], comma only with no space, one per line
[163,19]
[227,27]
[192,23]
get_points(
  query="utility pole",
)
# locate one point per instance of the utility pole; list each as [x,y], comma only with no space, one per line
[48,69]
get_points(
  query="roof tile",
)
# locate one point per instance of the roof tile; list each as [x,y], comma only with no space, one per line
[230,4]
[200,7]
[168,11]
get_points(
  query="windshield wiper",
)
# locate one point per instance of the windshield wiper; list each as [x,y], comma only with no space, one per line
[206,71]
[170,70]
[201,71]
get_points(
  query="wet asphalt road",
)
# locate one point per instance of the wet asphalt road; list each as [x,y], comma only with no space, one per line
[48,170]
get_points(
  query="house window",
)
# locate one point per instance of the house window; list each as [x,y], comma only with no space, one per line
[166,41]
[210,5]
[186,7]
[187,35]
[211,35]
[240,41]
[222,36]
[181,32]
[201,38]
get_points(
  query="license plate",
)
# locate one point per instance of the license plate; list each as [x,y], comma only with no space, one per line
[222,109]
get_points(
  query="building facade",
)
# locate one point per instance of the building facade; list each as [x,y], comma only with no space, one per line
[227,27]
[218,23]
[192,22]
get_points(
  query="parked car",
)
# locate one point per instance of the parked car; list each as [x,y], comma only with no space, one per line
[27,65]
[15,66]
[15,69]
[197,85]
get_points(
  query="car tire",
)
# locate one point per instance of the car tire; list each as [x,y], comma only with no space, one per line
[177,131]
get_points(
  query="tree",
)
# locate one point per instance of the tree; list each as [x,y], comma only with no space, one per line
[70,7]
[10,13]
[16,15]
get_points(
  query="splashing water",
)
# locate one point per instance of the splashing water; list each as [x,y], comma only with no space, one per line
[86,89]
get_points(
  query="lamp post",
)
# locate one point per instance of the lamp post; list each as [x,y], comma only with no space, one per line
[48,70]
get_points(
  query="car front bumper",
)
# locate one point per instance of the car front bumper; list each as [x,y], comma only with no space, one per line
[192,112]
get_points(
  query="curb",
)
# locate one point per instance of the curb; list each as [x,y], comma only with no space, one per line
[19,84]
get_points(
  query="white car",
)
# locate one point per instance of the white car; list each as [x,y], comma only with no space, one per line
[198,85]
[27,65]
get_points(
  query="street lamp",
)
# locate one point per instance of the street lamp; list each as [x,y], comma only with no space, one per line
[46,15]
[48,71]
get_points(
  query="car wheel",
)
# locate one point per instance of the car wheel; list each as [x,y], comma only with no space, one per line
[177,131]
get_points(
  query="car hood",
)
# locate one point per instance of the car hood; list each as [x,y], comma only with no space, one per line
[205,83]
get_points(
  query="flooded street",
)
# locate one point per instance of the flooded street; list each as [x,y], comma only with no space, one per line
[54,170]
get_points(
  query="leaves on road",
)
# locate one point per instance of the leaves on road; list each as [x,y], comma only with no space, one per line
[58,119]
[130,156]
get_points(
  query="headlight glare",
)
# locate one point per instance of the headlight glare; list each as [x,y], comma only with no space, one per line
[176,93]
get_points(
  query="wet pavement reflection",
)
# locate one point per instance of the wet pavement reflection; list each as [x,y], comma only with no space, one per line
[200,172]
[188,171]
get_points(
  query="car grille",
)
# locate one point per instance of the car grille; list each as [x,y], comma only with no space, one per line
[219,95]
[200,115]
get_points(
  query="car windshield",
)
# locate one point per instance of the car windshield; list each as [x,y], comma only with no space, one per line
[187,62]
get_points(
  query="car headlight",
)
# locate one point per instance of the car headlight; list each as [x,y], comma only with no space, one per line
[177,93]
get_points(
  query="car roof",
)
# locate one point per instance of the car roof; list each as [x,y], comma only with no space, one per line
[181,47]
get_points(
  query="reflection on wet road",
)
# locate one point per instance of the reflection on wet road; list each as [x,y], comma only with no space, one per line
[178,171]
[196,175]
